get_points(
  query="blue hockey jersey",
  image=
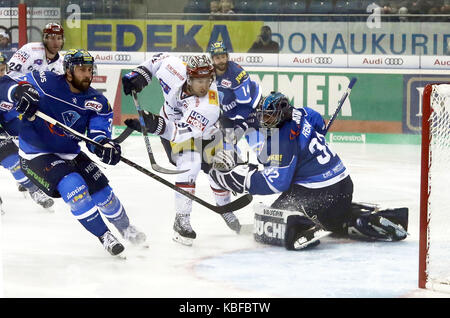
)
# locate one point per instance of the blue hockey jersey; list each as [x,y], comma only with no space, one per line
[238,94]
[9,120]
[86,111]
[296,154]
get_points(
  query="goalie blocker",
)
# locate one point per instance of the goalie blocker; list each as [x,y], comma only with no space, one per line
[296,231]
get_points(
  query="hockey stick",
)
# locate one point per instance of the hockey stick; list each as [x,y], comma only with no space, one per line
[155,166]
[232,206]
[340,103]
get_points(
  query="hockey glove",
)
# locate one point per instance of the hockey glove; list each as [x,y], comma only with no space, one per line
[110,153]
[154,124]
[235,180]
[224,160]
[136,80]
[27,99]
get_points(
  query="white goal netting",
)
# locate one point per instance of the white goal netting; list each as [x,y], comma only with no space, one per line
[438,230]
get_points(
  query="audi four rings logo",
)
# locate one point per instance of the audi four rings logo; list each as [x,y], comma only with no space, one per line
[122,57]
[254,59]
[393,61]
[323,60]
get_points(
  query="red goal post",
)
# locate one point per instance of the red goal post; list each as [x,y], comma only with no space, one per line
[434,244]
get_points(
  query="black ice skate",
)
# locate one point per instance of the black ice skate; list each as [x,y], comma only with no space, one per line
[184,233]
[111,244]
[232,221]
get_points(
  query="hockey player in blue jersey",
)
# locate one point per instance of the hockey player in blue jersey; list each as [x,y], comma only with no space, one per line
[316,188]
[238,95]
[9,158]
[54,160]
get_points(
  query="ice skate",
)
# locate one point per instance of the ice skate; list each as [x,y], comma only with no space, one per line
[184,233]
[133,235]
[22,190]
[42,199]
[232,221]
[111,244]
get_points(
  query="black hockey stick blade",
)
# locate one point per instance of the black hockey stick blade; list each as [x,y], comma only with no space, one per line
[124,135]
[153,163]
[230,207]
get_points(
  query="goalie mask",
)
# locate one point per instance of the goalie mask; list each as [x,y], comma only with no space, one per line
[272,109]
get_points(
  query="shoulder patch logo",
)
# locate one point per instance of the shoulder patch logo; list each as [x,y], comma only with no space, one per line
[213,99]
[94,105]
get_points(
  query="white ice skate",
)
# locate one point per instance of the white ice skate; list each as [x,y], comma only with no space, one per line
[133,235]
[43,200]
[232,221]
[183,232]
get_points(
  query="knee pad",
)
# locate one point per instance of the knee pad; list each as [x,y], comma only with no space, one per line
[74,191]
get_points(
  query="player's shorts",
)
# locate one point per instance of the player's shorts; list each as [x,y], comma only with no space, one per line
[7,148]
[47,171]
[330,205]
[207,147]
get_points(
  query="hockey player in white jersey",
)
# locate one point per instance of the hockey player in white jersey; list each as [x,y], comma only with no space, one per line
[186,123]
[40,56]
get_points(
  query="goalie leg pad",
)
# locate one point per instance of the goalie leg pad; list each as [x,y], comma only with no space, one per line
[290,229]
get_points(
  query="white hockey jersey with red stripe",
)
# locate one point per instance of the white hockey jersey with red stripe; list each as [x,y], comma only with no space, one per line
[186,116]
[31,57]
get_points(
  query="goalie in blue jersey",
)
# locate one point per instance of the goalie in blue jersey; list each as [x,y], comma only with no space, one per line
[53,159]
[316,188]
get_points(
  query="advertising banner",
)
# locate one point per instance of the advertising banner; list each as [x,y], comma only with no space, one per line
[340,38]
[382,103]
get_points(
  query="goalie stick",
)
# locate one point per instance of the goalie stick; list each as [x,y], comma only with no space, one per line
[153,163]
[340,103]
[230,207]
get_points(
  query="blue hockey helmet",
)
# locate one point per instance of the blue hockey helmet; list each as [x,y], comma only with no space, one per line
[271,109]
[75,57]
[218,48]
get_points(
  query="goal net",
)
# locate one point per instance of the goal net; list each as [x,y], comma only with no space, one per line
[434,258]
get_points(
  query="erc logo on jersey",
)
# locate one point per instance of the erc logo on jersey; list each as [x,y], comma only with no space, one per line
[197,120]
[94,105]
[225,83]
[6,106]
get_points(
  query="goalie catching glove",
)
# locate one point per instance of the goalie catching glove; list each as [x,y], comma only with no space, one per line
[229,176]
[154,124]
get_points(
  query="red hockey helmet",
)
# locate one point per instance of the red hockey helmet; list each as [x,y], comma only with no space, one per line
[53,28]
[199,66]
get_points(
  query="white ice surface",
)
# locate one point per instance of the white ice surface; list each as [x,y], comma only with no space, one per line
[52,255]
